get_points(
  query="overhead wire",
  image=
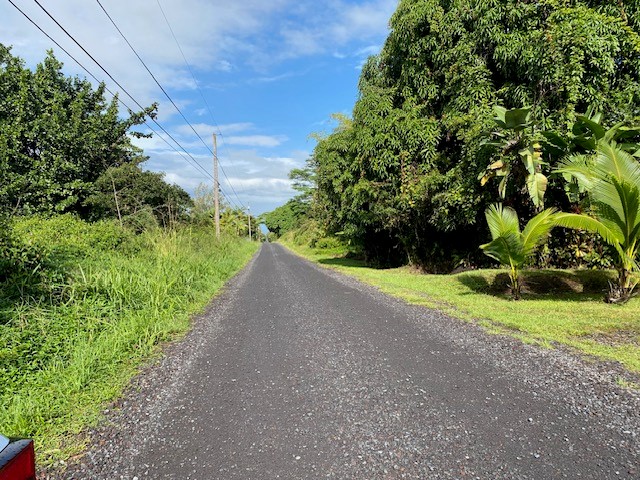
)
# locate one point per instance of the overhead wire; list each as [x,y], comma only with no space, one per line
[191,160]
[204,100]
[165,92]
[206,103]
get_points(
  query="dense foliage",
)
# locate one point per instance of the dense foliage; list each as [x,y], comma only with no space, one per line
[58,135]
[402,178]
[65,149]
[137,197]
[295,212]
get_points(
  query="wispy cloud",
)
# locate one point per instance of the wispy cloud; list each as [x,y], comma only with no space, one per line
[256,140]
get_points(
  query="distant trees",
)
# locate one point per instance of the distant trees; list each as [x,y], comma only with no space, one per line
[295,212]
[400,179]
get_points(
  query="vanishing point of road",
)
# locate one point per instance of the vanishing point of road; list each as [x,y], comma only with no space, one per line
[297,372]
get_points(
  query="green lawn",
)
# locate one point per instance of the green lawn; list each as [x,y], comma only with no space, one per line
[558,306]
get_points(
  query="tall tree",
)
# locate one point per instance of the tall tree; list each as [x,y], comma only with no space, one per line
[123,192]
[404,172]
[57,136]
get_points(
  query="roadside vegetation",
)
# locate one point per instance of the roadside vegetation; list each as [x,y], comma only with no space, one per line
[101,261]
[75,330]
[489,132]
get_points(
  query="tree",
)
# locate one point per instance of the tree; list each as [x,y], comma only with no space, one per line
[127,191]
[57,136]
[509,245]
[514,142]
[287,217]
[400,178]
[612,179]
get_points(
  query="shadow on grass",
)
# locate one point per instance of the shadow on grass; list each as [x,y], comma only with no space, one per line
[343,262]
[561,284]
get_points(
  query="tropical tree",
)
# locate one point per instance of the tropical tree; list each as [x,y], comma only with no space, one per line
[611,177]
[58,134]
[512,247]
[514,141]
[400,178]
[128,192]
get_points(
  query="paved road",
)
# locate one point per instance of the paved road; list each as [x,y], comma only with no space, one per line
[300,373]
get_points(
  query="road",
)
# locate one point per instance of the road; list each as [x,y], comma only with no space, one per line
[296,372]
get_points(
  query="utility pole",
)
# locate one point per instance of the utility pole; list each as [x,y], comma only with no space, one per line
[216,186]
[249,219]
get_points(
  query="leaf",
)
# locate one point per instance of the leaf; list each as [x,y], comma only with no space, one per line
[518,118]
[506,249]
[501,220]
[537,230]
[499,117]
[485,177]
[502,187]
[537,186]
[554,143]
[584,124]
[584,222]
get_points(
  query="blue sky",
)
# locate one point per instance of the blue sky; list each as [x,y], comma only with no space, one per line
[271,71]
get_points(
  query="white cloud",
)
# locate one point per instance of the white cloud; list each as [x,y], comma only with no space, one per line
[256,140]
[368,50]
[207,31]
[337,24]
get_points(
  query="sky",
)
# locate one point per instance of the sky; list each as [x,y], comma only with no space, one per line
[261,74]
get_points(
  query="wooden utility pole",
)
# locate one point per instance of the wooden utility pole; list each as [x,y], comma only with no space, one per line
[216,186]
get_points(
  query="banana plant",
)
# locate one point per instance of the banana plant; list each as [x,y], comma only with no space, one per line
[512,247]
[611,177]
[513,138]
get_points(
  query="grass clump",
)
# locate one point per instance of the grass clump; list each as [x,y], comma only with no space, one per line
[70,340]
[559,306]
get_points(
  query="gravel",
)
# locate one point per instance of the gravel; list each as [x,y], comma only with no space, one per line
[298,372]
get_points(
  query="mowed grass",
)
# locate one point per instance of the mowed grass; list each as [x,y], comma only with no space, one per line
[63,359]
[559,307]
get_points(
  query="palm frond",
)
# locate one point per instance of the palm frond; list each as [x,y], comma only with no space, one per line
[617,163]
[506,249]
[537,230]
[502,220]
[606,193]
[583,222]
[580,167]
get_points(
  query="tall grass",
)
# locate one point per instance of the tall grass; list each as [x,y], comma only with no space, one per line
[65,353]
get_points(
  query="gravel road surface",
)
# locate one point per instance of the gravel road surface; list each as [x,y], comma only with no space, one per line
[297,372]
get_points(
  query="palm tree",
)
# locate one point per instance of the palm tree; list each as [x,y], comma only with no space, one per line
[509,245]
[612,179]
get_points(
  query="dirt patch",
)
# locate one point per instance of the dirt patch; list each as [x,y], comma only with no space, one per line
[615,339]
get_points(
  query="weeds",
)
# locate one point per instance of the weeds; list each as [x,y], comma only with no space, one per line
[64,354]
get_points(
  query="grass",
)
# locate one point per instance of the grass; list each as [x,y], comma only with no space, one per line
[559,307]
[64,355]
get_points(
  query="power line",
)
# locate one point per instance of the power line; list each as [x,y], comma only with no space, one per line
[191,160]
[184,57]
[164,91]
[195,81]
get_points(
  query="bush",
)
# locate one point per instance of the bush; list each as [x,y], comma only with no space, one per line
[66,234]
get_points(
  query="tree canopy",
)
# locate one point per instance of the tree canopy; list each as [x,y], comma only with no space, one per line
[58,135]
[401,177]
